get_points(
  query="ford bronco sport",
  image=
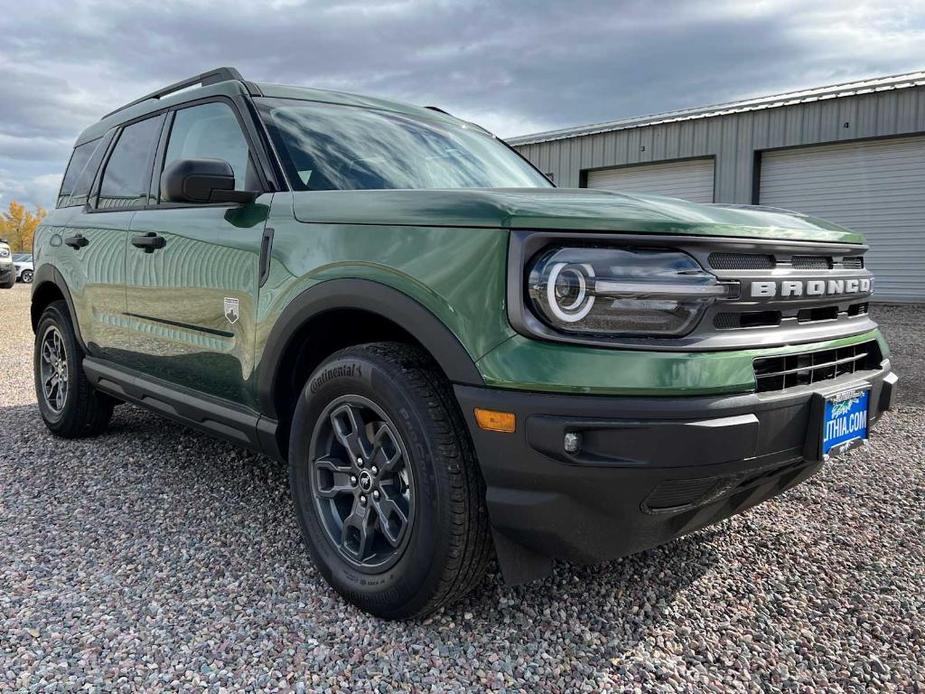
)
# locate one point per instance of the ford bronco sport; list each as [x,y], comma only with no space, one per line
[456,359]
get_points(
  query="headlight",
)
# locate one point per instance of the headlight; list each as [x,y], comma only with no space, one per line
[4,252]
[630,292]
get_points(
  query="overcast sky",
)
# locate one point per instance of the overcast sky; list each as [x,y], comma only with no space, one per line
[514,66]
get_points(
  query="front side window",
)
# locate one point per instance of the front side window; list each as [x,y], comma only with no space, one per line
[336,147]
[211,131]
[127,176]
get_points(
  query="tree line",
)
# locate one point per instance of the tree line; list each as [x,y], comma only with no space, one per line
[18,225]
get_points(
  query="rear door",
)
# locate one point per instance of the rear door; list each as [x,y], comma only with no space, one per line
[90,248]
[192,302]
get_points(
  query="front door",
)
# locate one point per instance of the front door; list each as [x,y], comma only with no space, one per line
[191,296]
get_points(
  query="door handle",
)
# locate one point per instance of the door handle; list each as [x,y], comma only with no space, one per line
[149,241]
[76,242]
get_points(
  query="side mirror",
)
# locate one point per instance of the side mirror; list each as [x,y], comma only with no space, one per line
[201,181]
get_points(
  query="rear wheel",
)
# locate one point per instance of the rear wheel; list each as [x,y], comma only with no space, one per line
[26,276]
[385,482]
[69,405]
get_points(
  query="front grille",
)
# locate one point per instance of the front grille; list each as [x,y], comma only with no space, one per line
[853,262]
[741,261]
[778,373]
[811,262]
[746,319]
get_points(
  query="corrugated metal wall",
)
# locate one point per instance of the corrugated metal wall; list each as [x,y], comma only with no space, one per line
[875,186]
[735,138]
[689,179]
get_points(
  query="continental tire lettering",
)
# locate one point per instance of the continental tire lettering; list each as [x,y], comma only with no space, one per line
[333,372]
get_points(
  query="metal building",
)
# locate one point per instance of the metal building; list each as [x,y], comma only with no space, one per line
[851,153]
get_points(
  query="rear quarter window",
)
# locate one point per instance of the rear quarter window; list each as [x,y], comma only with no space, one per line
[77,171]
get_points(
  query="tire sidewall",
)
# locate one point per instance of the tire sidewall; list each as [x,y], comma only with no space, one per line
[407,581]
[53,317]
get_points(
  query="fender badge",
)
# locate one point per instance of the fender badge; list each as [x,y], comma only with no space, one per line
[232,309]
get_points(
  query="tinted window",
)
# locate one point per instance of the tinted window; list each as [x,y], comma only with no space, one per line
[332,147]
[80,173]
[211,131]
[128,171]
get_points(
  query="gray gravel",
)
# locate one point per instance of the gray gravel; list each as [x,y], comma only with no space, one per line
[153,557]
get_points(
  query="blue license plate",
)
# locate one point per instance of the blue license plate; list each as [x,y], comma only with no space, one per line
[845,420]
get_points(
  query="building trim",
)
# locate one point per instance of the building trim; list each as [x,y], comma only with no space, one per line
[836,91]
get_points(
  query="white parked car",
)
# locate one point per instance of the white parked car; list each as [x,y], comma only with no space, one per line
[24,267]
[7,269]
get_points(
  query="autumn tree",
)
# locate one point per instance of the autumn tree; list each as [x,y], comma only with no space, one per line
[17,225]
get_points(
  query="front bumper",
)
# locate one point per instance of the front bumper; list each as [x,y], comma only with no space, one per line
[7,273]
[648,470]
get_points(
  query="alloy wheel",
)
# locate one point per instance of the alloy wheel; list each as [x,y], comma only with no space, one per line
[53,369]
[362,483]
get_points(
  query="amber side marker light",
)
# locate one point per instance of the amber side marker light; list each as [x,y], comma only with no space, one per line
[492,420]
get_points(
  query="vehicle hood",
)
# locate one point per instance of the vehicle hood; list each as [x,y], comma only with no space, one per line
[576,209]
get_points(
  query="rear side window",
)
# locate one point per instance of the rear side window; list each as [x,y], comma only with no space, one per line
[80,172]
[211,131]
[127,176]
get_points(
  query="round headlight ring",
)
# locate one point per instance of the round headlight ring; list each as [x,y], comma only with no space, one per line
[577,309]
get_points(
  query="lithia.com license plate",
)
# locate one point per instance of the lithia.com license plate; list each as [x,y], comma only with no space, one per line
[844,422]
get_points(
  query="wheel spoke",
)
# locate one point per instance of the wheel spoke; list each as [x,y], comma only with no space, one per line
[350,429]
[386,451]
[332,478]
[356,530]
[392,519]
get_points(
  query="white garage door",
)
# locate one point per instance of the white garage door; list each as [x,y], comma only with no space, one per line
[691,180]
[877,188]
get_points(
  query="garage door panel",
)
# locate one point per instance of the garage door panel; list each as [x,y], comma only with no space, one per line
[690,180]
[873,187]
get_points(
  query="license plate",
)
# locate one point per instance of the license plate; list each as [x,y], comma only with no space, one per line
[844,422]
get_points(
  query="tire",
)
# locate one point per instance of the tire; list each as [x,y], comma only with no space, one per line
[429,477]
[70,407]
[26,277]
[9,285]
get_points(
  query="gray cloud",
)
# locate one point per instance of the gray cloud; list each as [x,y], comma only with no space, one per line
[514,66]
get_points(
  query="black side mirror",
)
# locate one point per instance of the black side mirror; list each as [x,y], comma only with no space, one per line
[201,181]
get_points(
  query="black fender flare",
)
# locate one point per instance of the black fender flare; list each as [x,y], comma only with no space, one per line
[48,274]
[366,295]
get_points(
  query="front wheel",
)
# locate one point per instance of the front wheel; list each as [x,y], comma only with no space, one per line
[385,482]
[26,276]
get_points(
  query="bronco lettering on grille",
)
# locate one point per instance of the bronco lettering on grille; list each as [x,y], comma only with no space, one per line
[786,288]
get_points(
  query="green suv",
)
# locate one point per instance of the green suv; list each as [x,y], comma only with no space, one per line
[456,359]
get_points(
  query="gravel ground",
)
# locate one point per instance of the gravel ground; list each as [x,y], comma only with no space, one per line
[154,557]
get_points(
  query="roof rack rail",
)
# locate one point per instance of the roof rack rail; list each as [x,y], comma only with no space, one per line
[219,74]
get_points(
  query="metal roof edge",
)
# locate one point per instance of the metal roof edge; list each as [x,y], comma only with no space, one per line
[834,91]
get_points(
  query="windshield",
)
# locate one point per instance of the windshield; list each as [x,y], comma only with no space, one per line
[335,147]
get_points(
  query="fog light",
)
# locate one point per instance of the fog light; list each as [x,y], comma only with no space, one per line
[572,442]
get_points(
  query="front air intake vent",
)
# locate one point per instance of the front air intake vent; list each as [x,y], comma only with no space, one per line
[811,262]
[741,261]
[779,373]
[853,262]
[746,319]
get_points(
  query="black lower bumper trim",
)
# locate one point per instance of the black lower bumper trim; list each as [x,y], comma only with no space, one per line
[643,470]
